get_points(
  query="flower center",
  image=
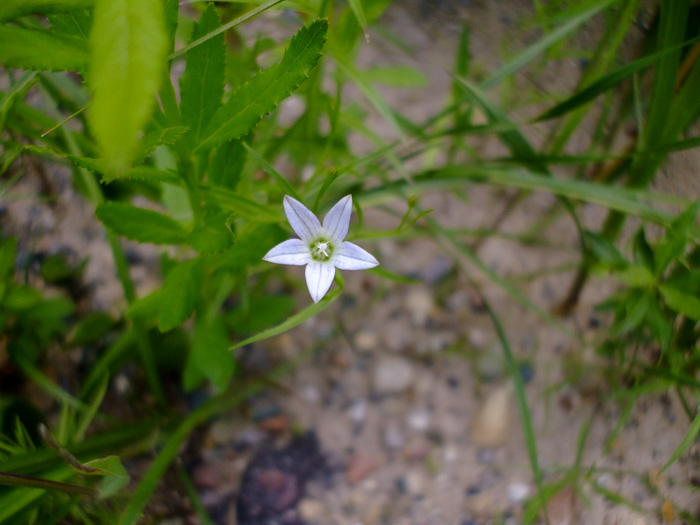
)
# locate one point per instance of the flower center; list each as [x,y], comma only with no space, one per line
[321,250]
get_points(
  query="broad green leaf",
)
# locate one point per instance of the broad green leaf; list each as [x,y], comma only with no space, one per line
[202,84]
[178,298]
[255,99]
[41,50]
[11,9]
[139,224]
[297,319]
[682,302]
[209,353]
[127,65]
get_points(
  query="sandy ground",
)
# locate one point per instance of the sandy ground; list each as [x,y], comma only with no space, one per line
[411,412]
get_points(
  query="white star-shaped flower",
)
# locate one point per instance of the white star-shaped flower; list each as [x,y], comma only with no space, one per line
[321,248]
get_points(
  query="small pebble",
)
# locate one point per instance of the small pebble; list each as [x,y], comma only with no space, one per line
[490,428]
[393,437]
[472,490]
[359,467]
[276,424]
[311,394]
[526,372]
[517,492]
[417,449]
[419,420]
[415,483]
[311,509]
[419,303]
[392,375]
[477,338]
[358,411]
[366,341]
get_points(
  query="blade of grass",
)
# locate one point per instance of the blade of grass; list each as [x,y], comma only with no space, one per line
[566,29]
[296,319]
[272,172]
[233,23]
[687,442]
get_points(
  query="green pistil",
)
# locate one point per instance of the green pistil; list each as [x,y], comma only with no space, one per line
[321,250]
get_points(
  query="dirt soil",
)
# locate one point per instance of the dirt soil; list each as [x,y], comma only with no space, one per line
[405,414]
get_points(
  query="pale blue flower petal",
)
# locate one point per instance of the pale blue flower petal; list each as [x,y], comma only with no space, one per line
[293,251]
[303,222]
[319,277]
[349,256]
[337,221]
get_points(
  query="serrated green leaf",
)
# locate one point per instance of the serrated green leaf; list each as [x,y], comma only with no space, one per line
[141,225]
[159,137]
[40,50]
[11,9]
[228,163]
[202,84]
[255,99]
[209,353]
[683,303]
[127,65]
[179,295]
[212,236]
[142,173]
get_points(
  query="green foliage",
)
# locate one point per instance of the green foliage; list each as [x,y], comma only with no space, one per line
[140,224]
[217,159]
[248,104]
